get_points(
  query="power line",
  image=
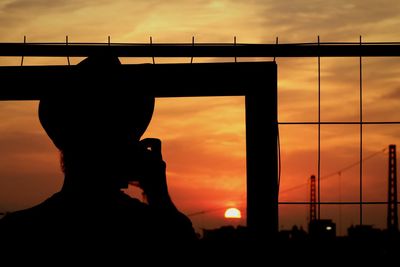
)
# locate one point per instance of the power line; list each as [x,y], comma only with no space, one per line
[204,211]
[353,165]
[208,211]
[338,172]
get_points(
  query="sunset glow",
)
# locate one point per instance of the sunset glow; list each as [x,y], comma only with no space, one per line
[204,138]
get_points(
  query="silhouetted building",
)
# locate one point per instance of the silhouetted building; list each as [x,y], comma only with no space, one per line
[322,229]
[298,233]
[226,233]
[295,233]
[363,232]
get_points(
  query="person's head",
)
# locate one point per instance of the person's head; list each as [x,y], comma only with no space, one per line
[97,132]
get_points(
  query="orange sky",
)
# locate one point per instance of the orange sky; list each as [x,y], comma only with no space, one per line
[204,137]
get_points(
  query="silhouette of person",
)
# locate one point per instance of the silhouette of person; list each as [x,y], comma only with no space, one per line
[97,129]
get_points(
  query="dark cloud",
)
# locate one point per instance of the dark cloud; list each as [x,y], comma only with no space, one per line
[19,15]
[334,20]
[382,104]
[36,4]
[26,6]
[390,95]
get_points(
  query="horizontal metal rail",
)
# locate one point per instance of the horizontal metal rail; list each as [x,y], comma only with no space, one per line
[337,122]
[349,49]
[160,80]
[335,203]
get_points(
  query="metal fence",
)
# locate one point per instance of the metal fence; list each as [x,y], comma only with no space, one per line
[316,49]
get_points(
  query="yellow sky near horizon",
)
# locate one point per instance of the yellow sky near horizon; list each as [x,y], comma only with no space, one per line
[219,144]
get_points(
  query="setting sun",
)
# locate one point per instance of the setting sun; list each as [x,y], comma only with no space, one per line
[233,213]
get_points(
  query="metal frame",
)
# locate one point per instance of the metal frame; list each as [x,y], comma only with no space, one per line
[257,81]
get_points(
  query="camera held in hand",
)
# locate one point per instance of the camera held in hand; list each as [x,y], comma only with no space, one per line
[146,158]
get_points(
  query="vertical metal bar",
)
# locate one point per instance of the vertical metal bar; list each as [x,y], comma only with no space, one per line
[262,161]
[191,59]
[319,134]
[234,44]
[361,141]
[22,58]
[151,44]
[66,43]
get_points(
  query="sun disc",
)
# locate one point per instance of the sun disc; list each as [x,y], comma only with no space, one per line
[233,213]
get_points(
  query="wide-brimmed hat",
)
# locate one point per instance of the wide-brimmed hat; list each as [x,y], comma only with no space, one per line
[104,115]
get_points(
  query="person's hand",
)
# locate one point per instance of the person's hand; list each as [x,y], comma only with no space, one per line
[153,179]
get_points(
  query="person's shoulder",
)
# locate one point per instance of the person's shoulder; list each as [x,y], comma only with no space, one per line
[18,217]
[16,226]
[26,216]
